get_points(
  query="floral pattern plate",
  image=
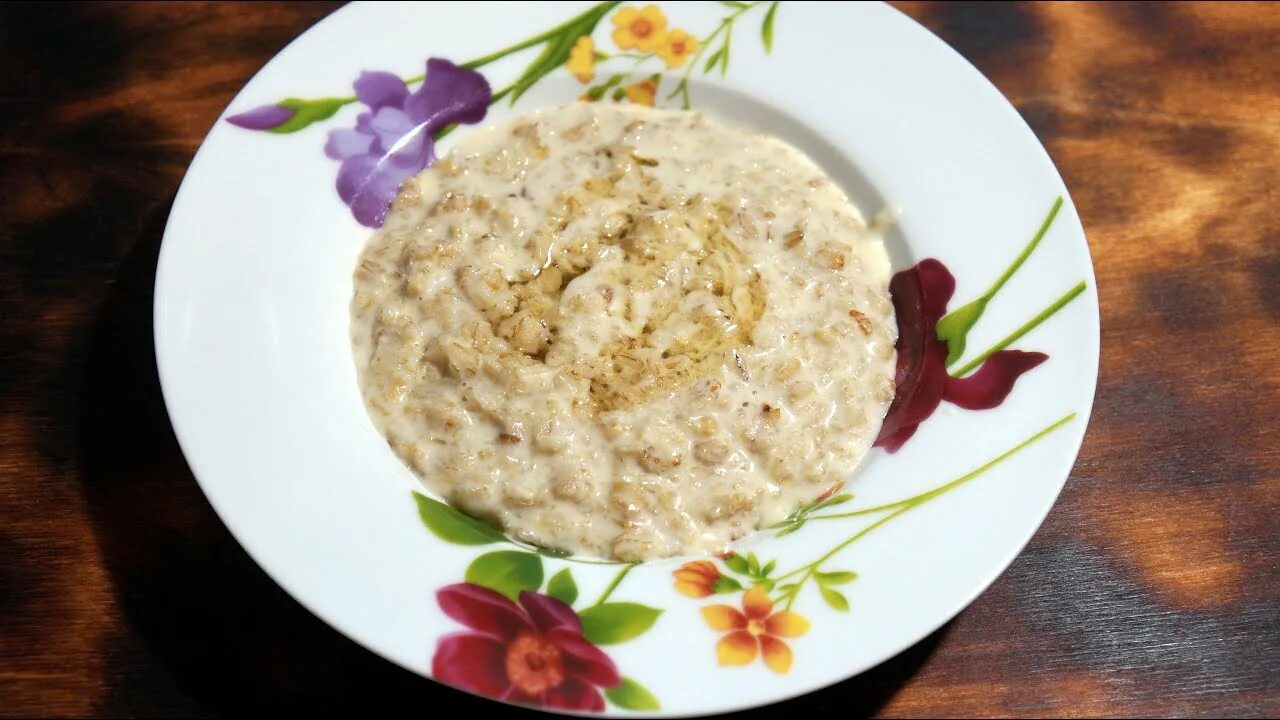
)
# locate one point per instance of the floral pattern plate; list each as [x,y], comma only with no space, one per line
[997,354]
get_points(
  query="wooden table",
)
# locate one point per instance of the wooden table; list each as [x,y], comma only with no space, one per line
[1152,589]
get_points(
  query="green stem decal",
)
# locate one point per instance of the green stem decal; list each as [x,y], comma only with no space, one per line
[1026,327]
[617,580]
[787,592]
[928,495]
[954,327]
[591,16]
[720,57]
[791,593]
[293,114]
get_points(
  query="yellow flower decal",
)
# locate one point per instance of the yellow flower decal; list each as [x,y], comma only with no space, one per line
[677,47]
[643,92]
[642,29]
[755,631]
[582,59]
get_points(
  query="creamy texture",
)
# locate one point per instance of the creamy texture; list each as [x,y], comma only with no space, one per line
[627,332]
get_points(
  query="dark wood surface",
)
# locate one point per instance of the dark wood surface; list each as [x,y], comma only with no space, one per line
[1152,588]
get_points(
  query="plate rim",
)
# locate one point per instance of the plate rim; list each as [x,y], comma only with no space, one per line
[185,441]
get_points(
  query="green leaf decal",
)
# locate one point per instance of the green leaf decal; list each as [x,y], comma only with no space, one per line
[562,587]
[631,695]
[597,91]
[724,58]
[768,568]
[507,571]
[753,564]
[306,112]
[738,564]
[834,598]
[553,55]
[797,519]
[766,29]
[452,526]
[836,577]
[790,528]
[1025,328]
[613,623]
[836,500]
[726,584]
[711,61]
[953,329]
[556,51]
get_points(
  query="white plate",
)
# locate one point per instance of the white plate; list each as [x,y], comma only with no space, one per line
[251,339]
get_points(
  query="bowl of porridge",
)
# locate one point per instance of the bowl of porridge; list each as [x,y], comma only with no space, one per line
[614,358]
[625,332]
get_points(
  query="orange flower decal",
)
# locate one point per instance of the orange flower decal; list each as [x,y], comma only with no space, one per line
[697,578]
[755,630]
[643,92]
[677,47]
[642,29]
[582,59]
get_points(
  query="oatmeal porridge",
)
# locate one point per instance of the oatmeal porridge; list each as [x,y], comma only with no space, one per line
[626,332]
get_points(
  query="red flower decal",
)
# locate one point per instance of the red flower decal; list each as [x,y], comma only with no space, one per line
[532,652]
[920,297]
[991,384]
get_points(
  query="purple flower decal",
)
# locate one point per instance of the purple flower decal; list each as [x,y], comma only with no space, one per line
[289,115]
[395,139]
[264,117]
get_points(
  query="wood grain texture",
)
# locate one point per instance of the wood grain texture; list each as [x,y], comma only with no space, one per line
[1152,589]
